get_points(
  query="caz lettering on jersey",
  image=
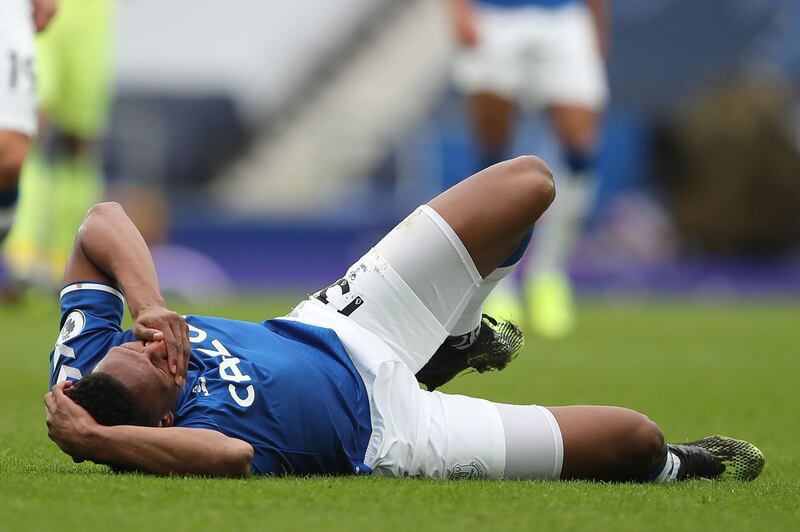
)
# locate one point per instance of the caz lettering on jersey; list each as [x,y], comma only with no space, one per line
[228,367]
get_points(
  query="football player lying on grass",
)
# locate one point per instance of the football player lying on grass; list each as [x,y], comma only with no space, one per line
[332,388]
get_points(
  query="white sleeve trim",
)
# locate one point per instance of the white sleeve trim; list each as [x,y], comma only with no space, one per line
[92,286]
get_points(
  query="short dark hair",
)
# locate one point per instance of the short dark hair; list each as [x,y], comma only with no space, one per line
[107,400]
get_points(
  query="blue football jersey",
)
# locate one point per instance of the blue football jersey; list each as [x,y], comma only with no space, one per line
[527,3]
[287,388]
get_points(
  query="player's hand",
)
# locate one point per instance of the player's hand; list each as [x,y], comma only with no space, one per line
[157,323]
[43,12]
[465,22]
[467,29]
[68,424]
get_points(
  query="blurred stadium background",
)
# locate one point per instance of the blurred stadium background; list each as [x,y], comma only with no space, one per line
[272,143]
[262,145]
[285,138]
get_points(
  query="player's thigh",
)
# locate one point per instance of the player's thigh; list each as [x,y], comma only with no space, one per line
[17,75]
[493,210]
[607,442]
[575,125]
[13,149]
[410,289]
[570,70]
[473,438]
[439,436]
[493,117]
[493,64]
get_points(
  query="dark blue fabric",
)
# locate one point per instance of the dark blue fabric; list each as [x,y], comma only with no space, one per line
[524,3]
[520,251]
[579,162]
[309,411]
[9,197]
[287,388]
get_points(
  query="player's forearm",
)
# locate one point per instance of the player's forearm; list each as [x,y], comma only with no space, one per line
[113,244]
[169,451]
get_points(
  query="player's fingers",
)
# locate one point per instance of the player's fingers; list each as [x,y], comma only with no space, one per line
[185,332]
[49,401]
[169,344]
[58,390]
[187,347]
[180,352]
[147,335]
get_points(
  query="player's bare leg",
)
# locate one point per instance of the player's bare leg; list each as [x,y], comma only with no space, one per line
[61,182]
[493,119]
[13,150]
[608,443]
[492,213]
[548,291]
[78,184]
[616,444]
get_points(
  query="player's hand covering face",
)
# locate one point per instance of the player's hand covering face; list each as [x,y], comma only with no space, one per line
[157,323]
[143,370]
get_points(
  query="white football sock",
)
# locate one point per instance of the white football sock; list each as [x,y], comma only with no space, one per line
[471,317]
[560,227]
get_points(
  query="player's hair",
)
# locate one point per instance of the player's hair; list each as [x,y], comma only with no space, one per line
[107,400]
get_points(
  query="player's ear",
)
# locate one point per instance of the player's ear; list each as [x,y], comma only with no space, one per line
[167,420]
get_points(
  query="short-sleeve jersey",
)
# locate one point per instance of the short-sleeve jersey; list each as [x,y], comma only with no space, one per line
[287,388]
[527,3]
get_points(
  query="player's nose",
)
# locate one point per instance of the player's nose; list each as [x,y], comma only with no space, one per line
[156,351]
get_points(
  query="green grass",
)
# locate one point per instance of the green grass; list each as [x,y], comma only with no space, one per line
[695,369]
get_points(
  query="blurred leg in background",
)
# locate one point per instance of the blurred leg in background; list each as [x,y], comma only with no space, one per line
[17,108]
[542,55]
[62,175]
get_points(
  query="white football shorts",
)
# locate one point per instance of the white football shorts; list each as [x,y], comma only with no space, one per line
[17,74]
[536,56]
[392,311]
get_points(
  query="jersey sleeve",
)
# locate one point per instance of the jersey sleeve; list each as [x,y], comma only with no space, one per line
[91,317]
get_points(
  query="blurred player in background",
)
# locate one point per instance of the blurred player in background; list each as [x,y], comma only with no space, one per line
[18,21]
[543,54]
[62,178]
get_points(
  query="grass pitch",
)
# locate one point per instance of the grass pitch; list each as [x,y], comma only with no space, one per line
[695,369]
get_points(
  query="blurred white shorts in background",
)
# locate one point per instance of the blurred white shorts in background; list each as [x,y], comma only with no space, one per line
[17,74]
[535,56]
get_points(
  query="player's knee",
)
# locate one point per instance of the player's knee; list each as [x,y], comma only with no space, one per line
[533,181]
[528,165]
[103,211]
[645,442]
[13,150]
